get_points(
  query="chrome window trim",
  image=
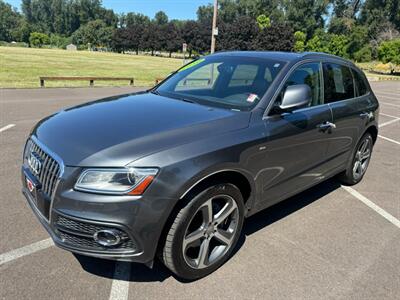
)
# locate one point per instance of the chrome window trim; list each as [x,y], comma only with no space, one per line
[321,62]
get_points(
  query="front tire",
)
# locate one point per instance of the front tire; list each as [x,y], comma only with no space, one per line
[360,161]
[204,232]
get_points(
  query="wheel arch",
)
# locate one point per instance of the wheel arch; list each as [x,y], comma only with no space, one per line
[373,130]
[236,177]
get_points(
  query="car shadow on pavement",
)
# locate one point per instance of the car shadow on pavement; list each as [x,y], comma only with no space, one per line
[138,272]
[289,206]
[141,273]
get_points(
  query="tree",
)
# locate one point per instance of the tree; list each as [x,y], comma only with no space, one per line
[358,38]
[64,17]
[128,38]
[375,14]
[151,38]
[161,18]
[305,15]
[170,38]
[38,39]
[133,19]
[278,37]
[197,36]
[23,31]
[238,35]
[96,33]
[9,21]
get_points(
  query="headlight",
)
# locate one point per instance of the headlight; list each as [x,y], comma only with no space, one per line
[132,181]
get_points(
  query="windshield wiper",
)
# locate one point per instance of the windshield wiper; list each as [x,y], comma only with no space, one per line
[155,92]
[186,100]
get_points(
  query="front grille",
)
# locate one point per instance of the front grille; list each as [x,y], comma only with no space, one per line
[49,170]
[80,235]
[78,226]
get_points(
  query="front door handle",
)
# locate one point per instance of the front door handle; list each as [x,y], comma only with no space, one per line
[326,126]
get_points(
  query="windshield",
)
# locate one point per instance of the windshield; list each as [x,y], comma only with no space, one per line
[224,81]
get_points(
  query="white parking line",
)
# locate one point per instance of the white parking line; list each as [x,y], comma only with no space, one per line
[388,94]
[23,251]
[372,205]
[390,116]
[387,139]
[388,97]
[389,122]
[120,284]
[6,127]
[386,103]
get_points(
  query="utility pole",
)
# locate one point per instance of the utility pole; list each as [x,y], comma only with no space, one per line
[214,32]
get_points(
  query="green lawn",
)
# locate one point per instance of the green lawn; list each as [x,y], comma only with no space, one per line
[21,67]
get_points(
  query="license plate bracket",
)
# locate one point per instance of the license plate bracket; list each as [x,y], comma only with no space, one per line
[37,197]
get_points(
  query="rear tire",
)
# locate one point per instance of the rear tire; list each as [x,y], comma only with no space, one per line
[359,161]
[204,232]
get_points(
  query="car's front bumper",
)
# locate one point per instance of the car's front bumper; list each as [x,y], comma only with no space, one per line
[140,219]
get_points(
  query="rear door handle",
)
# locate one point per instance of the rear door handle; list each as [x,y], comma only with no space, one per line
[366,115]
[326,126]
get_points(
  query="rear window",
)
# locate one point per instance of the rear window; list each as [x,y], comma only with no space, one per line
[338,83]
[361,86]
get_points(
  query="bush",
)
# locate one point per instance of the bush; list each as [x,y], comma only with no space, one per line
[14,44]
[364,54]
[38,39]
[300,40]
[318,43]
[337,45]
[389,52]
[59,41]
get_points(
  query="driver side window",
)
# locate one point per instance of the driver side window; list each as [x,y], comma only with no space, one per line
[309,74]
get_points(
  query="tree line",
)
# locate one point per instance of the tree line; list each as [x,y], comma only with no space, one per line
[361,30]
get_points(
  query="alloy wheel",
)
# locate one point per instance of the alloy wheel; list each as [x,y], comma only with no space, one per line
[362,158]
[211,232]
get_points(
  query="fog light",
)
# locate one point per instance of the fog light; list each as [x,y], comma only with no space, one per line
[107,237]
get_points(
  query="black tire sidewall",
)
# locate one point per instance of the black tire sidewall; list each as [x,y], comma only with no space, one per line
[349,173]
[181,267]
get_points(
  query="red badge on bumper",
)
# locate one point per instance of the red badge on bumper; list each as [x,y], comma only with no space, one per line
[30,185]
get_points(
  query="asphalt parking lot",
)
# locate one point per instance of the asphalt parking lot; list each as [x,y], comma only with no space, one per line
[329,242]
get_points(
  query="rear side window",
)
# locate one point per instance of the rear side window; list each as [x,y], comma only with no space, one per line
[361,86]
[338,83]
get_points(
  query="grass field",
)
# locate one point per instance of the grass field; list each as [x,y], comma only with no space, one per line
[21,67]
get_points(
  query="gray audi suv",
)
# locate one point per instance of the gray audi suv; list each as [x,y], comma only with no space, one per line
[173,172]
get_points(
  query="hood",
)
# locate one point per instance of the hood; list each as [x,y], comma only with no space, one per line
[116,131]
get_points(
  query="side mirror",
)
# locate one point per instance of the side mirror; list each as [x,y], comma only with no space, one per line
[296,96]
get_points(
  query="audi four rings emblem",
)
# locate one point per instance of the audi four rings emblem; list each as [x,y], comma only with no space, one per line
[35,163]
